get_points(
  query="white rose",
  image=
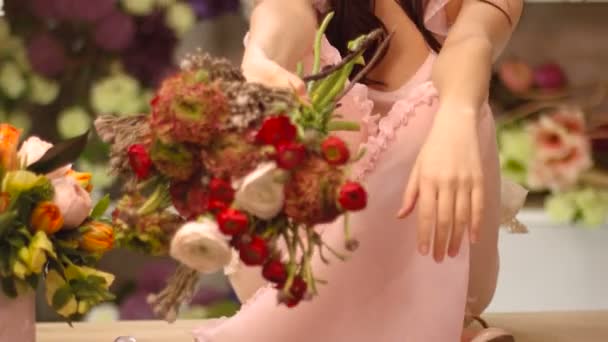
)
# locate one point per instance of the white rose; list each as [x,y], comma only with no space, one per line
[33,149]
[201,246]
[261,192]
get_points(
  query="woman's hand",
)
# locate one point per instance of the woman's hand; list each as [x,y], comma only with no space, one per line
[258,68]
[447,185]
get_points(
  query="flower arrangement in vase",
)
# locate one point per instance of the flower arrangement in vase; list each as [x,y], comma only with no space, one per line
[49,230]
[552,138]
[225,172]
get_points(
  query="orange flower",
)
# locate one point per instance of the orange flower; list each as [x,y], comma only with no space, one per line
[5,201]
[47,218]
[98,238]
[82,178]
[9,138]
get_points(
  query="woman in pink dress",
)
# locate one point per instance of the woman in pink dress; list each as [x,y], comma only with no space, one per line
[428,239]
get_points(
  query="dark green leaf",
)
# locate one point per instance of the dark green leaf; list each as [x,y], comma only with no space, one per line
[8,287]
[7,221]
[101,207]
[5,252]
[61,297]
[32,280]
[16,241]
[62,154]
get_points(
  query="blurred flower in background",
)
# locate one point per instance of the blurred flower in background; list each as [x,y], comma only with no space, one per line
[549,144]
[63,62]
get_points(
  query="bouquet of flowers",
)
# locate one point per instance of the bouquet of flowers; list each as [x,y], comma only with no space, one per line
[72,59]
[224,170]
[552,140]
[49,229]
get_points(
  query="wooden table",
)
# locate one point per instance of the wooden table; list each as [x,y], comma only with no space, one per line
[541,327]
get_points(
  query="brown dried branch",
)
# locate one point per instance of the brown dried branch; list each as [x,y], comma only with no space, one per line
[180,289]
[372,63]
[366,44]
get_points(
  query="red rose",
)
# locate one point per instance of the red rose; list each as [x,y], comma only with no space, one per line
[297,292]
[221,190]
[352,197]
[254,252]
[232,222]
[275,271]
[140,161]
[276,130]
[217,206]
[290,155]
[335,151]
[298,288]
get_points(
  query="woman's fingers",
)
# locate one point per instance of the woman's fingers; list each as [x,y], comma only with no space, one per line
[462,220]
[427,209]
[410,195]
[445,219]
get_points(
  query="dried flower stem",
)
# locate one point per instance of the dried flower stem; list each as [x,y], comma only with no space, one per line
[372,63]
[180,289]
[370,38]
[292,266]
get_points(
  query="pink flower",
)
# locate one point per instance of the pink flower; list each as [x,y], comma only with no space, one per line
[73,201]
[562,151]
[33,149]
[516,75]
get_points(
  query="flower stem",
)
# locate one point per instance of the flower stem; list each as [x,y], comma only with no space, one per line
[334,252]
[291,266]
[307,261]
[339,125]
[317,50]
[159,199]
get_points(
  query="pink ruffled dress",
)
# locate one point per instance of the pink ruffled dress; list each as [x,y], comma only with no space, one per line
[386,291]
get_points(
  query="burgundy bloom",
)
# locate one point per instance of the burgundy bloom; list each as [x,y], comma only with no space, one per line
[150,56]
[115,32]
[46,55]
[254,252]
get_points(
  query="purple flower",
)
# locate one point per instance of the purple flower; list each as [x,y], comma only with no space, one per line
[46,55]
[115,32]
[150,56]
[207,296]
[212,8]
[136,307]
[153,276]
[88,11]
[44,9]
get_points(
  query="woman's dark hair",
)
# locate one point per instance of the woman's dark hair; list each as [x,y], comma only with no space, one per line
[353,18]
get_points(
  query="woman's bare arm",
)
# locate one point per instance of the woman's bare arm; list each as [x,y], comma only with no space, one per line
[462,70]
[283,30]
